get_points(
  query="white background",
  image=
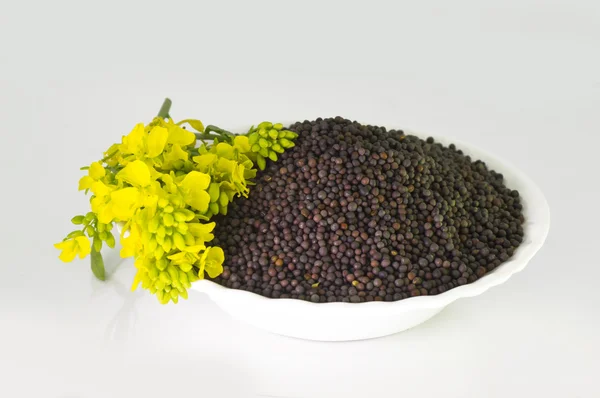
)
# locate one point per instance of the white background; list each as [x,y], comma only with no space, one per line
[518,78]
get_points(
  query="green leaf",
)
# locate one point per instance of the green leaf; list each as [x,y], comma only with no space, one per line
[77,220]
[97,265]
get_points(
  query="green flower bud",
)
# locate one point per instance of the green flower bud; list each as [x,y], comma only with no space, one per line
[153,273]
[264,143]
[263,133]
[281,134]
[169,231]
[178,241]
[265,125]
[223,210]
[168,219]
[110,240]
[159,252]
[223,199]
[168,209]
[100,227]
[162,264]
[189,239]
[89,217]
[103,235]
[260,161]
[74,234]
[162,203]
[179,216]
[214,208]
[278,126]
[167,244]
[189,215]
[184,293]
[277,148]
[214,191]
[183,278]
[173,272]
[182,228]
[264,152]
[90,231]
[253,138]
[290,135]
[273,156]
[77,220]
[160,231]
[185,267]
[286,143]
[153,224]
[273,134]
[160,239]
[165,278]
[192,276]
[255,148]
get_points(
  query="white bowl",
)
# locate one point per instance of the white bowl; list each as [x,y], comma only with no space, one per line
[348,321]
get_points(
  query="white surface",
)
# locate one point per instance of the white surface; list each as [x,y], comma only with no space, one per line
[348,321]
[520,78]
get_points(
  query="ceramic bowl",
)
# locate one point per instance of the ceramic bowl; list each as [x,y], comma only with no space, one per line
[348,321]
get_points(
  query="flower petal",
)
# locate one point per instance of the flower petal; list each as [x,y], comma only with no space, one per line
[180,136]
[68,250]
[96,171]
[241,143]
[85,182]
[136,173]
[202,231]
[157,139]
[199,200]
[206,160]
[134,141]
[84,246]
[225,150]
[195,180]
[123,202]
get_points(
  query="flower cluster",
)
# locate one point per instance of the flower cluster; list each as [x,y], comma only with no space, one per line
[267,140]
[162,190]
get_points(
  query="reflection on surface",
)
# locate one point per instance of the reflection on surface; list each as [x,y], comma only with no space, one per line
[119,274]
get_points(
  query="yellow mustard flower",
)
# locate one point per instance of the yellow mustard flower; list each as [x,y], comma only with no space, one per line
[194,186]
[95,172]
[71,247]
[132,243]
[136,173]
[211,262]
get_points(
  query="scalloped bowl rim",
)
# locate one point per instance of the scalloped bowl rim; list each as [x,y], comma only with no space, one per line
[536,227]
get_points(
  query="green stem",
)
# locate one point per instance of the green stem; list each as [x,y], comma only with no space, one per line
[218,130]
[165,108]
[207,136]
